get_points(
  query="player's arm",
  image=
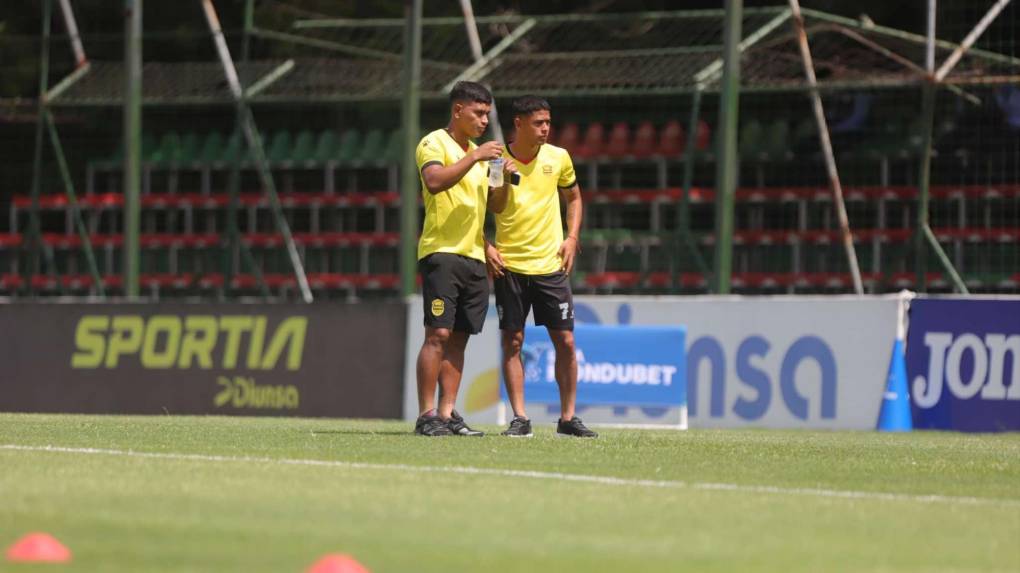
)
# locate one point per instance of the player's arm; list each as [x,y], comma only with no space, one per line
[571,243]
[439,177]
[500,196]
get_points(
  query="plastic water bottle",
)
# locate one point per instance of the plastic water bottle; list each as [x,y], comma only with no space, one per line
[496,172]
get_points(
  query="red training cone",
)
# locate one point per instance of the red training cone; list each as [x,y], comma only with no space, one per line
[337,563]
[39,547]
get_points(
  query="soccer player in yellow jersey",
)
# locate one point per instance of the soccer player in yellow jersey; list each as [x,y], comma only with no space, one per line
[531,262]
[451,252]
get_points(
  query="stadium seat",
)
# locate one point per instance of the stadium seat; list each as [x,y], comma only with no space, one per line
[394,146]
[672,140]
[303,152]
[618,145]
[372,148]
[350,144]
[325,147]
[644,140]
[278,149]
[751,140]
[777,141]
[593,143]
[168,151]
[569,137]
[211,150]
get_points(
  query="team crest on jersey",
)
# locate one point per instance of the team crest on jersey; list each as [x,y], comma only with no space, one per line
[547,169]
[438,307]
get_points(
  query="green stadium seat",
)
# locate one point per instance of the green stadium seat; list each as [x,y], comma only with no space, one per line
[167,151]
[149,147]
[303,152]
[350,143]
[777,140]
[394,146]
[372,148]
[234,149]
[751,142]
[278,148]
[189,149]
[212,148]
[325,147]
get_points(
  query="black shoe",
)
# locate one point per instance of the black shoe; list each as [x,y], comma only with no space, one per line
[431,426]
[574,427]
[519,428]
[459,428]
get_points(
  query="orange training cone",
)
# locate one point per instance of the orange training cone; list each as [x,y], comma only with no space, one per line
[337,563]
[39,547]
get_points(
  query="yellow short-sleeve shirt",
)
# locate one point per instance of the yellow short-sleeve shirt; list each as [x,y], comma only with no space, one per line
[530,230]
[454,219]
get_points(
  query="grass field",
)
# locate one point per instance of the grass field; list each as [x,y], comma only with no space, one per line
[260,494]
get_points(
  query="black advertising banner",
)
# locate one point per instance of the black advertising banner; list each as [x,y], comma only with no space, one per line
[336,360]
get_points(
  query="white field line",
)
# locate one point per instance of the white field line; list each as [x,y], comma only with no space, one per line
[556,476]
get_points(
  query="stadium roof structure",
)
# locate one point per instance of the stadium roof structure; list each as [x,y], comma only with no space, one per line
[634,54]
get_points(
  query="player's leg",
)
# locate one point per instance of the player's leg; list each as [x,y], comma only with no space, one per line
[512,305]
[429,365]
[451,372]
[566,369]
[440,298]
[472,306]
[513,369]
[554,308]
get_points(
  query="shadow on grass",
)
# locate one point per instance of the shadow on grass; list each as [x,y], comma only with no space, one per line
[352,432]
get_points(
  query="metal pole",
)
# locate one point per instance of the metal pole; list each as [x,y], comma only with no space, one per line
[72,200]
[132,143]
[726,155]
[683,211]
[233,236]
[255,145]
[830,160]
[410,185]
[476,51]
[924,235]
[34,227]
[967,42]
[72,32]
[923,187]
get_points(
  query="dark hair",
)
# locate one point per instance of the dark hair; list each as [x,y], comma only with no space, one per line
[529,104]
[470,92]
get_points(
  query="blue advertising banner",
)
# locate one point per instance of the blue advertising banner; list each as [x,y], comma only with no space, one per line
[963,364]
[617,365]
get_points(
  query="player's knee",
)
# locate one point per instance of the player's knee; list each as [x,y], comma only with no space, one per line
[563,341]
[437,336]
[512,343]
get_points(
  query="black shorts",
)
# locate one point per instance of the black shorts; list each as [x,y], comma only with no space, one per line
[550,296]
[456,292]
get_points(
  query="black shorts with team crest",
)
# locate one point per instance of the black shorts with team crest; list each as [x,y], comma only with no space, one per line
[455,290]
[549,295]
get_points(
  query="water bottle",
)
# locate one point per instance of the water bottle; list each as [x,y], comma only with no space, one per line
[496,172]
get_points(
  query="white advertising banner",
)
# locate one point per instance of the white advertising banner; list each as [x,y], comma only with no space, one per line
[770,362]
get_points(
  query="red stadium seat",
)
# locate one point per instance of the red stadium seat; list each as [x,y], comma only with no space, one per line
[672,140]
[618,145]
[594,141]
[644,140]
[569,137]
[703,139]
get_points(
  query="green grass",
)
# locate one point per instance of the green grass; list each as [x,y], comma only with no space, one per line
[173,513]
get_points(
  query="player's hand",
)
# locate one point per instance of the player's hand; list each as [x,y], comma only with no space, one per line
[568,250]
[494,261]
[488,150]
[509,168]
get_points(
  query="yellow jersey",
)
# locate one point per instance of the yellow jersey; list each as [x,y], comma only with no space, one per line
[530,230]
[454,218]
